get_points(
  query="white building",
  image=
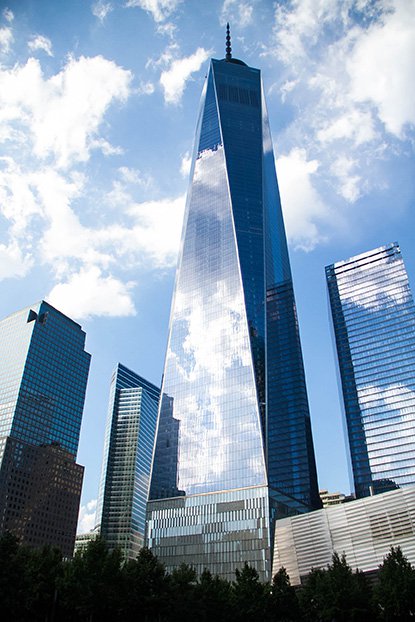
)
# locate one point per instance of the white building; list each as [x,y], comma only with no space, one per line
[364,530]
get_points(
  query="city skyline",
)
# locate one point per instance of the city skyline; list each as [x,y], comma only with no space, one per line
[95,216]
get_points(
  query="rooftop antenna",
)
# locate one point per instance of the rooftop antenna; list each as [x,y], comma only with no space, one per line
[228,43]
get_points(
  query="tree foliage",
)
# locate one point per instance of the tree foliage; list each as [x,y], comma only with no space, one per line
[395,590]
[336,593]
[98,586]
[283,601]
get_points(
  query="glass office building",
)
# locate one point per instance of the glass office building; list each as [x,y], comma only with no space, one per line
[234,448]
[128,449]
[374,322]
[43,376]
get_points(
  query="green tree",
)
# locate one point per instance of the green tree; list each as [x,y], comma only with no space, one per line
[213,597]
[313,595]
[145,589]
[14,579]
[90,588]
[283,601]
[394,593]
[44,571]
[249,597]
[183,600]
[336,594]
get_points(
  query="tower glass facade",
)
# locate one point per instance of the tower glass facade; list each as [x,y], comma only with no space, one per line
[43,376]
[374,321]
[129,441]
[234,447]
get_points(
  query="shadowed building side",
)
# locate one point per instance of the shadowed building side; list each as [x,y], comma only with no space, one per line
[43,376]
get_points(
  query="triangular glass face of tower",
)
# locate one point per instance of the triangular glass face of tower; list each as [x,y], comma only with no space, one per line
[209,376]
[233,447]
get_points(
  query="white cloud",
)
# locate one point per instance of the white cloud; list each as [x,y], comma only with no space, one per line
[159,9]
[168,29]
[86,518]
[39,42]
[342,168]
[8,15]
[88,262]
[106,147]
[101,9]
[134,176]
[12,262]
[6,39]
[63,114]
[381,67]
[47,204]
[348,75]
[300,24]
[287,87]
[354,124]
[63,238]
[88,292]
[174,79]
[302,206]
[236,11]
[186,164]
[145,88]
[157,230]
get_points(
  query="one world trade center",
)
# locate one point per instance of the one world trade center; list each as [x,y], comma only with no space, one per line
[234,448]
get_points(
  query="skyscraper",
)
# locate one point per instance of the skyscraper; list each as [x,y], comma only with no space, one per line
[43,376]
[234,448]
[374,320]
[128,449]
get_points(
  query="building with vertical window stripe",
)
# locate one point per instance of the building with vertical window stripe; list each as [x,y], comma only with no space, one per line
[374,330]
[128,449]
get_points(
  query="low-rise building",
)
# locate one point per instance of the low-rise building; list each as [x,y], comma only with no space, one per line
[364,530]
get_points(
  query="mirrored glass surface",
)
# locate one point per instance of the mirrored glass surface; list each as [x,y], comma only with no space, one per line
[374,323]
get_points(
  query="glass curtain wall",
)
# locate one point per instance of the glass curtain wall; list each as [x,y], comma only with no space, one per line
[374,327]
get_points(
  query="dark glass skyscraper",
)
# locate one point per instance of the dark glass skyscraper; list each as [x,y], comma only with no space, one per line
[374,327]
[43,376]
[234,448]
[128,449]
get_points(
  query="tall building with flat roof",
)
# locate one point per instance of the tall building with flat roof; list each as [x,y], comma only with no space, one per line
[374,329]
[128,449]
[234,448]
[43,376]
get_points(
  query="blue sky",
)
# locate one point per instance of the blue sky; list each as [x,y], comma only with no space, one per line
[98,107]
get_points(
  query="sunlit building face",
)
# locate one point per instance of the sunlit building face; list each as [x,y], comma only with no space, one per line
[234,448]
[374,322]
[128,448]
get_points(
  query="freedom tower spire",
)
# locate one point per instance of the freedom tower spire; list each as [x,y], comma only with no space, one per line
[234,448]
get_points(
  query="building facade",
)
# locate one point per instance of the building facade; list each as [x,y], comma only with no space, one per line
[328,499]
[374,329]
[43,376]
[82,540]
[128,449]
[234,447]
[364,530]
